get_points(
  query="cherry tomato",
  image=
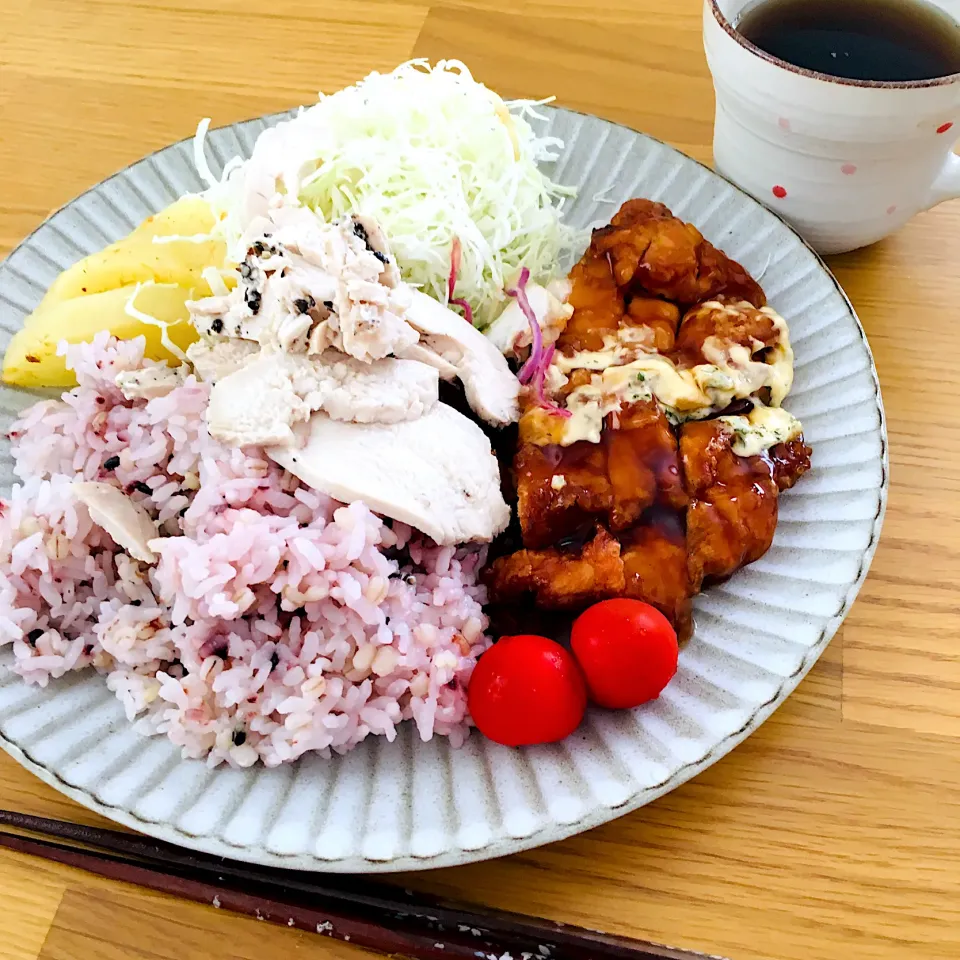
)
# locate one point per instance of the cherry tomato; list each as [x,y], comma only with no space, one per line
[627,650]
[527,689]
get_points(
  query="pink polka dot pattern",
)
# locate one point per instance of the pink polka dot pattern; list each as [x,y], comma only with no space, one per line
[784,124]
[849,169]
[779,192]
[892,209]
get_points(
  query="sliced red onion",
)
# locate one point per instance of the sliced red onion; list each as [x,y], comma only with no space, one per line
[467,309]
[557,410]
[535,369]
[539,381]
[535,360]
[541,375]
[456,251]
[455,254]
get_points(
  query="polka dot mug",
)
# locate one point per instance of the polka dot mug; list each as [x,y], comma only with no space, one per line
[847,162]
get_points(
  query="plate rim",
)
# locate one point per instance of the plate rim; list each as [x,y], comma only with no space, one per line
[548,832]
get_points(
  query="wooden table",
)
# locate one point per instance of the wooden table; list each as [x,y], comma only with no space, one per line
[834,832]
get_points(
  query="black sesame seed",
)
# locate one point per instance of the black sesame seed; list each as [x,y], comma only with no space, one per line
[360,231]
[141,487]
[328,304]
[301,305]
[274,660]
[135,603]
[111,463]
[33,636]
[239,738]
[382,257]
[217,325]
[252,299]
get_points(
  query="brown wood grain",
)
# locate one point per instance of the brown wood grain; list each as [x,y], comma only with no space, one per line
[834,832]
[110,922]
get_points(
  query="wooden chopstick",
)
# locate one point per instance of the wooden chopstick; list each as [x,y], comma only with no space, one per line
[374,915]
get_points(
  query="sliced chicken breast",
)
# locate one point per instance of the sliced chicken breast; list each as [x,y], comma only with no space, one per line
[255,405]
[150,382]
[436,473]
[385,391]
[372,234]
[423,354]
[259,403]
[305,285]
[491,388]
[215,359]
[131,527]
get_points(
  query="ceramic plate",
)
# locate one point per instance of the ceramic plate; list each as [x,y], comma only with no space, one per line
[411,804]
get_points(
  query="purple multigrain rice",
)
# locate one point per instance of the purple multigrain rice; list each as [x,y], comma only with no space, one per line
[275,622]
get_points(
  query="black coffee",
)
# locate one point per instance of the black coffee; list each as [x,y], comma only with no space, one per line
[858,39]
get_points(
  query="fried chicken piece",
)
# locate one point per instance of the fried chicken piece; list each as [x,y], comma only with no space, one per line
[575,379]
[597,305]
[634,515]
[561,490]
[657,318]
[653,251]
[558,579]
[728,323]
[655,567]
[549,512]
[791,460]
[642,447]
[733,511]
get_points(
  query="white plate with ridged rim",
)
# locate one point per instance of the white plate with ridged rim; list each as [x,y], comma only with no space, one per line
[411,805]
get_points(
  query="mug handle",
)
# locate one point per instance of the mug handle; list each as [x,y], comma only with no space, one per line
[947,184]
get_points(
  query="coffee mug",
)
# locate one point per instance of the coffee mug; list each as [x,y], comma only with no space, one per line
[847,162]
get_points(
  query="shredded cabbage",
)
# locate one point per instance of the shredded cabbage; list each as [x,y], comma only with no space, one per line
[432,155]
